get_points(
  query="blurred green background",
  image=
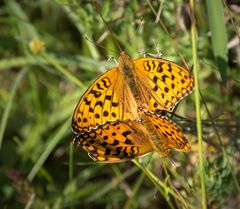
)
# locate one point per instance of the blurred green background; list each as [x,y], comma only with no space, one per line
[38,94]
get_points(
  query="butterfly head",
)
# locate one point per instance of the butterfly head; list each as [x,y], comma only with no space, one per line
[125,62]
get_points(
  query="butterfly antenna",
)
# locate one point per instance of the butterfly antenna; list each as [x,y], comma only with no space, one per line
[109,29]
[159,174]
[174,164]
[98,45]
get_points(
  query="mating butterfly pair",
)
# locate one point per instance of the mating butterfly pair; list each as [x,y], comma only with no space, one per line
[121,115]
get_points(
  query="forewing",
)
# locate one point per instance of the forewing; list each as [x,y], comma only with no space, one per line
[162,83]
[107,99]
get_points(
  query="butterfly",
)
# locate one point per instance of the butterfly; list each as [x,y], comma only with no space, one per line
[116,95]
[118,141]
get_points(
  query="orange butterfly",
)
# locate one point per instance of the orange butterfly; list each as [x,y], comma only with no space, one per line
[150,83]
[120,141]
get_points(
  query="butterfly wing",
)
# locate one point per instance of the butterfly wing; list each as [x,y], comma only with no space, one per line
[115,141]
[162,83]
[107,99]
[170,135]
[105,159]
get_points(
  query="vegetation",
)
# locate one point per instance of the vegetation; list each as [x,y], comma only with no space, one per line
[47,63]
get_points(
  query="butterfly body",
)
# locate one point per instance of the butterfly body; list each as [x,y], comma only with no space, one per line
[127,71]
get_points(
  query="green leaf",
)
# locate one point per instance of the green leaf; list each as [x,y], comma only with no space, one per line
[219,35]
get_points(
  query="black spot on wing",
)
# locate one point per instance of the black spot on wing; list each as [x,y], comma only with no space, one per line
[115,143]
[95,93]
[99,103]
[127,141]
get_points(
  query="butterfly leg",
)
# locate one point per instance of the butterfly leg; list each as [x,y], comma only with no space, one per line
[145,54]
[163,150]
[142,52]
[160,112]
[110,58]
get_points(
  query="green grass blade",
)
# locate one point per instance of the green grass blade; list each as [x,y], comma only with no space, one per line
[9,104]
[52,144]
[198,110]
[162,187]
[69,75]
[219,35]
[71,158]
[78,61]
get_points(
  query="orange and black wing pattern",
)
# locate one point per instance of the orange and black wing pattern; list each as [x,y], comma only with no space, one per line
[169,135]
[162,83]
[107,99]
[115,141]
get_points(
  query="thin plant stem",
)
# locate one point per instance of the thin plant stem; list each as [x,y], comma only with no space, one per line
[69,75]
[6,112]
[162,187]
[49,148]
[71,161]
[198,110]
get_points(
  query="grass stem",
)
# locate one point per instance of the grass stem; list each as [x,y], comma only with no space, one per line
[198,110]
[7,109]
